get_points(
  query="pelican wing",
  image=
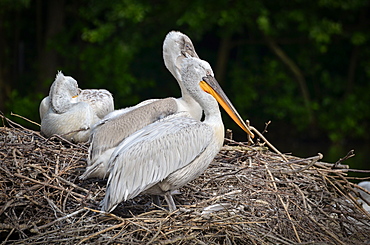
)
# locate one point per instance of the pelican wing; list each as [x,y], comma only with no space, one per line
[110,131]
[101,100]
[151,154]
[44,107]
[124,110]
[79,117]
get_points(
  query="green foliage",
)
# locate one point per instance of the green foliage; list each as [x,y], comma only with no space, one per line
[322,33]
[264,23]
[343,4]
[346,118]
[13,4]
[359,38]
[26,106]
[117,45]
[268,93]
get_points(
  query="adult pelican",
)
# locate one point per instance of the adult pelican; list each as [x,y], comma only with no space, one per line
[70,111]
[169,153]
[116,126]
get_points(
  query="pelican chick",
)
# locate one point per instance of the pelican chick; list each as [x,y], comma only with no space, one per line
[169,153]
[116,126]
[70,111]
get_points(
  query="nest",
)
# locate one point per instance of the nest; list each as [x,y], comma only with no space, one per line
[248,195]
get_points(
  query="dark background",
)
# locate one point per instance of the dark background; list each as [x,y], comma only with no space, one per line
[303,65]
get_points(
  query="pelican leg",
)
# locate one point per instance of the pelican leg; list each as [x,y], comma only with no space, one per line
[170,202]
[156,200]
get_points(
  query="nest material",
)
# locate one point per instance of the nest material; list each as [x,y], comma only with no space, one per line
[248,195]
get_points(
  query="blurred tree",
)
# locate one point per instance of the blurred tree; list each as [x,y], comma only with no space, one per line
[303,65]
[48,59]
[10,44]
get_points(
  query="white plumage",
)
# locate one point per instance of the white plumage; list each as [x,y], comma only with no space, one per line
[169,153]
[68,109]
[364,195]
[118,125]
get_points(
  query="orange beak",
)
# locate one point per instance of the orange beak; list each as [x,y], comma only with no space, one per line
[211,86]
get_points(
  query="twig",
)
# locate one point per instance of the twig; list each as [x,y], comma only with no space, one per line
[282,202]
[67,141]
[46,184]
[249,138]
[330,165]
[28,120]
[103,231]
[215,198]
[266,126]
[313,161]
[267,142]
[37,229]
[33,168]
[11,123]
[331,234]
[350,154]
[72,184]
[178,239]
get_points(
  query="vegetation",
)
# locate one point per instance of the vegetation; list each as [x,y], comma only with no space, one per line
[304,65]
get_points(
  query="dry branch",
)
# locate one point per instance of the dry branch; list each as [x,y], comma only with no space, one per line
[249,195]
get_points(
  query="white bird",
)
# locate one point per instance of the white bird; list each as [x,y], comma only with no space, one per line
[115,127]
[71,112]
[169,153]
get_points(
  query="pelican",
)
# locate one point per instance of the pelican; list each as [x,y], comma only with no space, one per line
[70,111]
[169,153]
[116,126]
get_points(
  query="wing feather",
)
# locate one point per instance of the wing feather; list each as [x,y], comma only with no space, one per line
[110,131]
[151,154]
[101,100]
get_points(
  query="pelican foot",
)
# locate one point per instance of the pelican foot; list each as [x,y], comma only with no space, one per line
[170,202]
[156,200]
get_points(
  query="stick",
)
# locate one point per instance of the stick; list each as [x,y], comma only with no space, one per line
[37,229]
[350,154]
[267,142]
[102,231]
[28,120]
[282,202]
[46,184]
[314,160]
